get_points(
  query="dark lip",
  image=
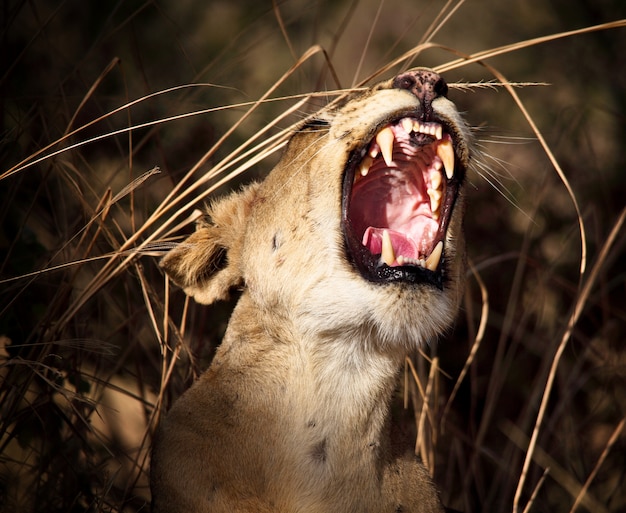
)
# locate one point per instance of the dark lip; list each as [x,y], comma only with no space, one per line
[369,265]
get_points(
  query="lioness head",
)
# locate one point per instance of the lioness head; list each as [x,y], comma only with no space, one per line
[357,230]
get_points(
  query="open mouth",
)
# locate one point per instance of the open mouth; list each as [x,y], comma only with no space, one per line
[398,196]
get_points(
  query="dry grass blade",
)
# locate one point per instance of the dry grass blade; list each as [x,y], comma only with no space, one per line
[477,339]
[114,63]
[573,319]
[531,501]
[120,121]
[446,12]
[35,158]
[561,475]
[493,52]
[283,29]
[422,403]
[583,492]
[553,160]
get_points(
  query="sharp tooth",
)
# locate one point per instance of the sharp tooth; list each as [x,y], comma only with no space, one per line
[432,262]
[416,127]
[435,180]
[407,124]
[435,202]
[384,139]
[445,152]
[439,132]
[434,194]
[387,255]
[365,165]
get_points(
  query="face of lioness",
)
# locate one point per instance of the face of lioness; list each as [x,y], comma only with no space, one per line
[357,230]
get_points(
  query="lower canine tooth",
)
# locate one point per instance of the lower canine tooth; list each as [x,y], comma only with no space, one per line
[432,262]
[365,165]
[445,152]
[387,255]
[385,141]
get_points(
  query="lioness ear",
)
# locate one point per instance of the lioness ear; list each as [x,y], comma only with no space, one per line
[207,264]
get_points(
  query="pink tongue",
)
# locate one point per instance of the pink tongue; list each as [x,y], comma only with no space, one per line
[373,240]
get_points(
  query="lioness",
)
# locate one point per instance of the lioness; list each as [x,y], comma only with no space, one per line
[349,254]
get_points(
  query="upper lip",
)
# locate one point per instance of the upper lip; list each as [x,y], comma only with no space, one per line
[398,194]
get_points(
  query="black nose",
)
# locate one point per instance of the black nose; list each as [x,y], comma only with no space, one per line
[425,84]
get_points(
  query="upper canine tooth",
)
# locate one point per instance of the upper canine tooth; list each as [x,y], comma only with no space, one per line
[445,152]
[384,139]
[388,256]
[432,262]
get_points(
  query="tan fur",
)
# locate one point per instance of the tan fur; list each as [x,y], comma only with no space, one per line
[292,414]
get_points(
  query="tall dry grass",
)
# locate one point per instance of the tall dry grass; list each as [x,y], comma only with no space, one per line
[120,120]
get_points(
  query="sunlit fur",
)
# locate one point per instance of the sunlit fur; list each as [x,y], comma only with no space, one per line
[292,414]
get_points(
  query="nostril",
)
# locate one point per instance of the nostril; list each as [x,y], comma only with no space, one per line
[441,87]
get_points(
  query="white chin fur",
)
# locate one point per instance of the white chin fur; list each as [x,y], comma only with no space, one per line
[390,317]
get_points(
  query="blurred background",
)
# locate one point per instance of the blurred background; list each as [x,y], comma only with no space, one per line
[93,345]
